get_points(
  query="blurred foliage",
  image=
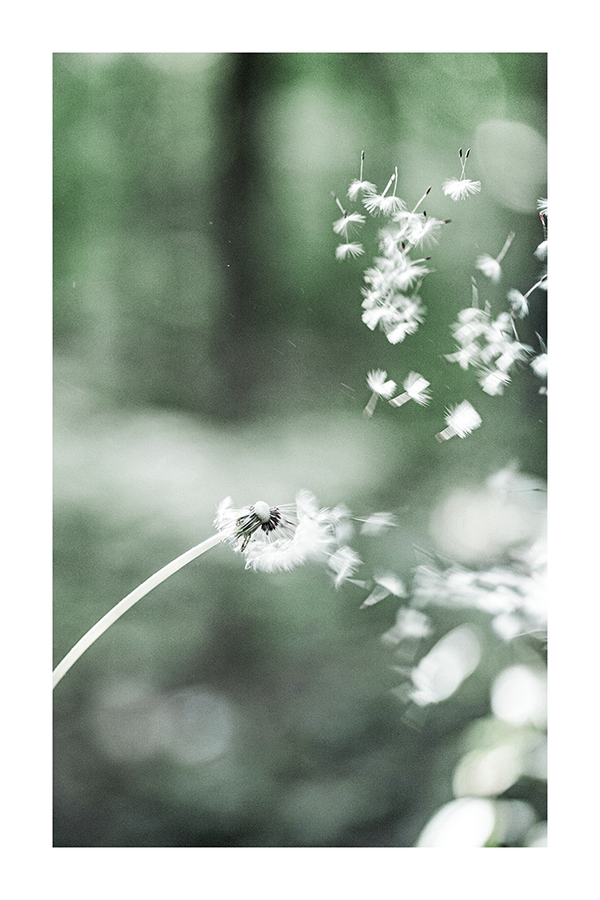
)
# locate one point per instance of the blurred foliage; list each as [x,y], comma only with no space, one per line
[208,343]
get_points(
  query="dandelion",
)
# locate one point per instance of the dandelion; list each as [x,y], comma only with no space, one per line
[376,380]
[461,420]
[275,539]
[415,388]
[272,539]
[491,267]
[358,185]
[459,188]
[376,203]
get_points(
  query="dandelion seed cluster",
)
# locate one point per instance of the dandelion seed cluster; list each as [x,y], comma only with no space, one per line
[391,301]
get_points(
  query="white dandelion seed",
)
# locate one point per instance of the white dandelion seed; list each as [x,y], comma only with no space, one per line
[359,186]
[539,364]
[518,303]
[465,356]
[459,188]
[461,420]
[377,383]
[491,267]
[410,624]
[344,563]
[377,203]
[349,249]
[384,586]
[542,206]
[348,219]
[415,388]
[493,382]
[377,522]
[396,333]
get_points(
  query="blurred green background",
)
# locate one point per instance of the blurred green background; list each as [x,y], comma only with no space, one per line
[207,343]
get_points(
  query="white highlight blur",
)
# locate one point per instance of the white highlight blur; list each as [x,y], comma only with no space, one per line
[466,822]
[441,672]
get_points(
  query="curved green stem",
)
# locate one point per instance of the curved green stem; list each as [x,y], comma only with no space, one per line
[127,602]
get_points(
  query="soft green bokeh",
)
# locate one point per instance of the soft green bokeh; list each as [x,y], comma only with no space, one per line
[208,343]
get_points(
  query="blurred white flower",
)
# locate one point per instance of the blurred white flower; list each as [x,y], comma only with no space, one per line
[376,381]
[542,206]
[415,388]
[351,249]
[461,420]
[277,538]
[541,251]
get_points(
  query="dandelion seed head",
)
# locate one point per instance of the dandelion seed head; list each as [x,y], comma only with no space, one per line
[277,538]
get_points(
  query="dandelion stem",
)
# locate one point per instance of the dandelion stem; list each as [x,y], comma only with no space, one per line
[127,602]
[504,250]
[536,285]
[421,200]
